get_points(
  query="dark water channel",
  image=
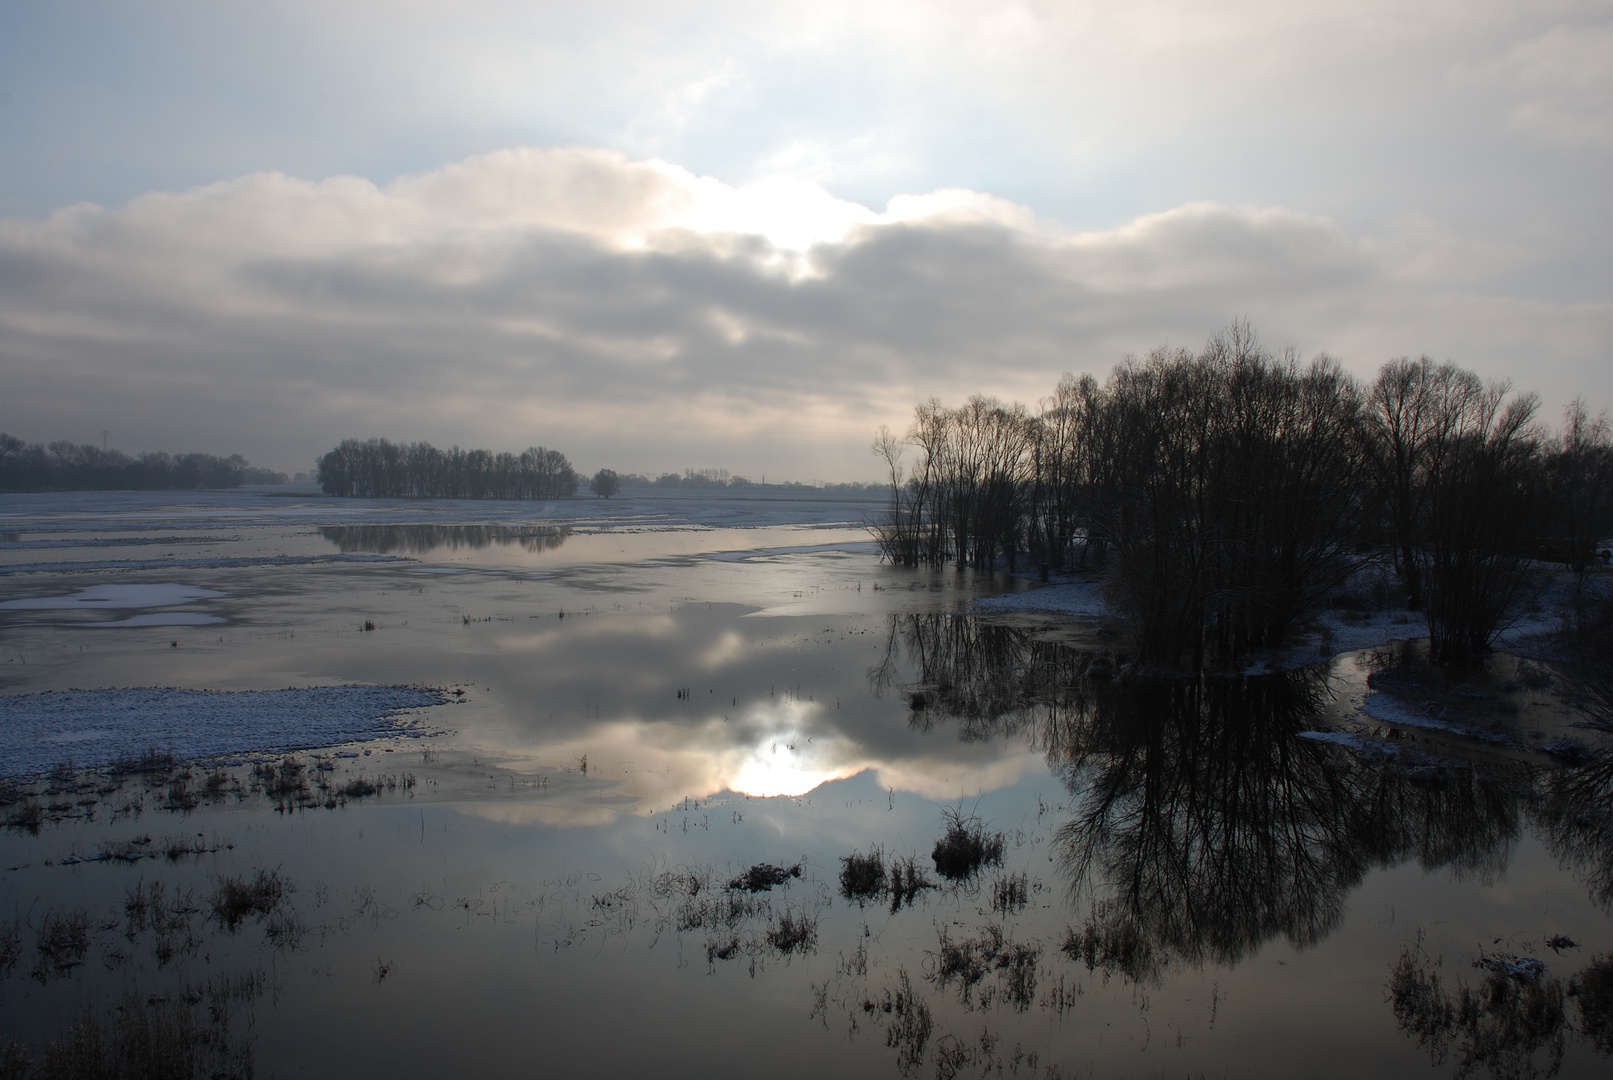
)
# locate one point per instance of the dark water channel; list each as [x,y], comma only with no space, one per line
[803,815]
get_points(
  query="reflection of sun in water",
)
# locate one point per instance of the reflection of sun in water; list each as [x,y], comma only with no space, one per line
[784,757]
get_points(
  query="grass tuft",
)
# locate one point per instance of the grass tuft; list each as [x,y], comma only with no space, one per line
[862,877]
[236,899]
[965,847]
[763,877]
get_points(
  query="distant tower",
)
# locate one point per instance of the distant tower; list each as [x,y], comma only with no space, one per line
[103,440]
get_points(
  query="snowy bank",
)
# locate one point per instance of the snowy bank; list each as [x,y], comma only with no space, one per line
[1069,598]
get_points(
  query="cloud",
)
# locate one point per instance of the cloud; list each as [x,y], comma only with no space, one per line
[1561,83]
[637,315]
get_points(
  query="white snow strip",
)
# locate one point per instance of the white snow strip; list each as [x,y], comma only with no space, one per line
[193,564]
[1393,711]
[116,597]
[1071,598]
[99,727]
[121,541]
[1351,740]
[162,618]
[1390,710]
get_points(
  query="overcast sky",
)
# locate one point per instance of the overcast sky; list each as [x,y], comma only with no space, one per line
[665,234]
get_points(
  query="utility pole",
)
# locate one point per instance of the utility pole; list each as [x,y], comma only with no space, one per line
[103,440]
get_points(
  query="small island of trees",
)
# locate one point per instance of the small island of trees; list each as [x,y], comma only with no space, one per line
[380,469]
[1225,494]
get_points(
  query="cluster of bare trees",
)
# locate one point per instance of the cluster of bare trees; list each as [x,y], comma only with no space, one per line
[67,466]
[1228,492]
[377,468]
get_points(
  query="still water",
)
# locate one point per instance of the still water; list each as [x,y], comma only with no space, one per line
[720,794]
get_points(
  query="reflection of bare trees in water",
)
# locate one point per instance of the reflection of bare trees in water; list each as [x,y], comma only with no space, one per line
[1209,824]
[420,539]
[1204,824]
[988,678]
[1575,817]
[1514,1013]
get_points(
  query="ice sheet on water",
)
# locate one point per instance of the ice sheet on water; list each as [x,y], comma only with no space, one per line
[99,727]
[116,597]
[191,564]
[163,618]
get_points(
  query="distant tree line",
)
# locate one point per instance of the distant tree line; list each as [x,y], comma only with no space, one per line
[379,469]
[66,466]
[1227,493]
[721,478]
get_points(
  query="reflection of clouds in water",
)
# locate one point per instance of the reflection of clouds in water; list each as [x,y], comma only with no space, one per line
[942,779]
[578,628]
[777,748]
[725,650]
[557,815]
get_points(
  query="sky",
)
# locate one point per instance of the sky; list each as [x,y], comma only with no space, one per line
[745,235]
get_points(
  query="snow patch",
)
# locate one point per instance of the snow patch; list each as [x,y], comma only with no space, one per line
[117,597]
[1354,741]
[162,618]
[1393,711]
[193,564]
[99,727]
[1071,598]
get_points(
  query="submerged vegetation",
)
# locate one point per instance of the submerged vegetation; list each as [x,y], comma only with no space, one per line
[1225,494]
[153,1038]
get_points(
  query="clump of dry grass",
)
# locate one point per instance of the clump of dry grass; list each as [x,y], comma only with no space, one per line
[763,877]
[793,934]
[905,881]
[155,1038]
[1010,893]
[10,946]
[285,783]
[64,939]
[27,815]
[862,877]
[1111,941]
[150,907]
[1593,990]
[969,961]
[966,846]
[236,899]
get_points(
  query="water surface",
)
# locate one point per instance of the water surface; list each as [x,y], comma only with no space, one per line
[1249,874]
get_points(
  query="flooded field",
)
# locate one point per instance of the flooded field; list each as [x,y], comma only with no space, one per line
[695,786]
